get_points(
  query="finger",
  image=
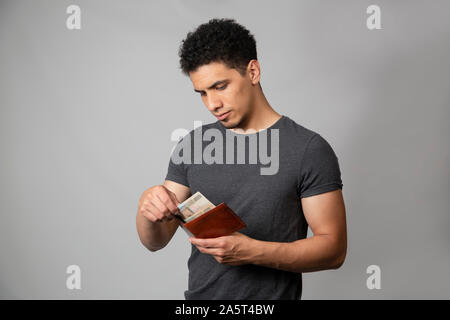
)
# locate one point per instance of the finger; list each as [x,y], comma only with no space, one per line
[174,198]
[212,251]
[160,206]
[146,211]
[162,212]
[205,243]
[154,210]
[167,201]
[148,214]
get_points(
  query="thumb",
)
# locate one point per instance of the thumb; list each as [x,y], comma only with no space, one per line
[173,196]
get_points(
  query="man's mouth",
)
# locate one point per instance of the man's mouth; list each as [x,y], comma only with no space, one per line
[223,115]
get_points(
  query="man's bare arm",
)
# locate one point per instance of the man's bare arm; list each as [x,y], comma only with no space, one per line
[326,249]
[154,222]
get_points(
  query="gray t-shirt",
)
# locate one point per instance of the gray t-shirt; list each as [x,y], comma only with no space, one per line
[269,203]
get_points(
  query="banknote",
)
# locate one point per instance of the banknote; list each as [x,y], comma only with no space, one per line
[195,206]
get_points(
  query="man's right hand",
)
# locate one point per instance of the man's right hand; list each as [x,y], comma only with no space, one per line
[158,204]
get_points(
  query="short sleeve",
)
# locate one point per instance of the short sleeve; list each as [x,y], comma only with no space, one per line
[177,171]
[319,171]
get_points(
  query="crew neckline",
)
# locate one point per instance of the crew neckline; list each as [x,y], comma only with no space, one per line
[276,123]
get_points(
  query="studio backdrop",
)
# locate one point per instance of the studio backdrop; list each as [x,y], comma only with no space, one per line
[91,92]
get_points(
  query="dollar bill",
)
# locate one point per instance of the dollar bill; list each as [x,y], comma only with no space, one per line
[194,206]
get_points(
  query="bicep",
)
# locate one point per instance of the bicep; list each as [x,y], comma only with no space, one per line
[325,214]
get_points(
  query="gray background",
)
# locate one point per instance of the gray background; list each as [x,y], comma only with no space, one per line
[86,118]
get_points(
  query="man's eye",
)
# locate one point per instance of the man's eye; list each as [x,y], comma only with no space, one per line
[221,88]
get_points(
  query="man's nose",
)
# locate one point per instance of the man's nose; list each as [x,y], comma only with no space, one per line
[213,102]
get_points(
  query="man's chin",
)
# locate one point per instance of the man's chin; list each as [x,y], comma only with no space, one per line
[228,124]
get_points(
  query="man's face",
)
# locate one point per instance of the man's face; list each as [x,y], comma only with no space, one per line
[224,91]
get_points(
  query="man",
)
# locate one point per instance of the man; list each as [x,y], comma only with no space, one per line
[264,260]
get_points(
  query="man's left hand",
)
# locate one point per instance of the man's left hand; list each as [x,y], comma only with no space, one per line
[234,250]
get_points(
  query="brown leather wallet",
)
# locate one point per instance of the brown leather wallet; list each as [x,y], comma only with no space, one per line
[217,222]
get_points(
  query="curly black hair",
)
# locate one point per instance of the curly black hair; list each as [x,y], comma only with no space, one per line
[218,40]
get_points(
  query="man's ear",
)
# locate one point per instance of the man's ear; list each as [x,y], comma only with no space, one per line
[254,72]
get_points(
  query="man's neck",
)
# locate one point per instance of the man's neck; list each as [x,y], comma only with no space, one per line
[262,117]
